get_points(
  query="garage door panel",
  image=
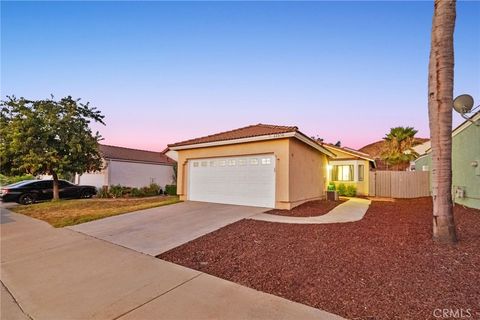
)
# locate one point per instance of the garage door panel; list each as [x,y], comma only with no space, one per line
[234,180]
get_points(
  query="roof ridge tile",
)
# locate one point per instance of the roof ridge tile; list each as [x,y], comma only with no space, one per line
[239,133]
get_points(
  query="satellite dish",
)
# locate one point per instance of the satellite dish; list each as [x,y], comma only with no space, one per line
[463,103]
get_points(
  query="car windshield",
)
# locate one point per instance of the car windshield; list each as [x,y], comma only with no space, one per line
[19,184]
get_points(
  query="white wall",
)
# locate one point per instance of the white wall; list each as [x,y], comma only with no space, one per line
[133,174]
[96,179]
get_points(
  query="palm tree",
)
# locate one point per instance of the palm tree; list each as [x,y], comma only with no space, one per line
[398,146]
[440,101]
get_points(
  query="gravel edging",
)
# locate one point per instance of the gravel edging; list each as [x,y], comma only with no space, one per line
[385,266]
[308,209]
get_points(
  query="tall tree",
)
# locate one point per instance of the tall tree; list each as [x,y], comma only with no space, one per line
[398,146]
[48,137]
[440,102]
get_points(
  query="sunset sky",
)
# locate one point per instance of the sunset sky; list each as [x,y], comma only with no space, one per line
[162,72]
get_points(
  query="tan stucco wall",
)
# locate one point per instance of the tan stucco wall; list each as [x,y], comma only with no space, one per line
[308,168]
[347,159]
[300,170]
[278,147]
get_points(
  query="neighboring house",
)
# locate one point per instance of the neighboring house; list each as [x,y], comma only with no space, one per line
[130,167]
[422,148]
[259,165]
[465,163]
[375,150]
[350,167]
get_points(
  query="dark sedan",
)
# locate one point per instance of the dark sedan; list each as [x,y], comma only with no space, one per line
[30,191]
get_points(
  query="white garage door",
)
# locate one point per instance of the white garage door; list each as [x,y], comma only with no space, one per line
[248,180]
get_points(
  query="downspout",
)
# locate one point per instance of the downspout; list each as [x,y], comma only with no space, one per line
[107,172]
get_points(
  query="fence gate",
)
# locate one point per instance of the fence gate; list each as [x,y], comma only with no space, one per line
[399,184]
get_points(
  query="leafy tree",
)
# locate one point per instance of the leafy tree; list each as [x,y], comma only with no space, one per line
[440,102]
[4,180]
[398,146]
[48,137]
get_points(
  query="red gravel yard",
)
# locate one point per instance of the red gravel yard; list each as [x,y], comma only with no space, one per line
[382,267]
[308,209]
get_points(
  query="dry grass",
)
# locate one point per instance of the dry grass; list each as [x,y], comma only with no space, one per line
[70,212]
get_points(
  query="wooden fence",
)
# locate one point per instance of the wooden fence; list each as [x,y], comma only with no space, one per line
[399,184]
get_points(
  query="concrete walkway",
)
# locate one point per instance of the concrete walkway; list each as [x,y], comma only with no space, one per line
[9,309]
[58,274]
[352,210]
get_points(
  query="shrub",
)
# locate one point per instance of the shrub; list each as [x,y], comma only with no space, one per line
[331,187]
[117,191]
[103,193]
[351,191]
[342,189]
[135,192]
[171,190]
[152,190]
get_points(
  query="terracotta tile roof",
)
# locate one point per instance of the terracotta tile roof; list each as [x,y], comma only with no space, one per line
[245,132]
[121,153]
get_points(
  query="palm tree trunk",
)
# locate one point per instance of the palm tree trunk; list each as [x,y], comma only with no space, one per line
[440,102]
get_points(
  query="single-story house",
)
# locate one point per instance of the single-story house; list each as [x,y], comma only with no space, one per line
[465,162]
[130,167]
[350,167]
[259,165]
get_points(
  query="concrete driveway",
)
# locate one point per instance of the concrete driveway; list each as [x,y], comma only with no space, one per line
[156,230]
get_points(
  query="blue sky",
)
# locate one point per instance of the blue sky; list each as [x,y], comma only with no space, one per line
[167,71]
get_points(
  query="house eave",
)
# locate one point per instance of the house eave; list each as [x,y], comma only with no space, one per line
[460,128]
[139,161]
[296,135]
[355,155]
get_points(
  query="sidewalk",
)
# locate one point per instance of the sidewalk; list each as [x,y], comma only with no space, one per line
[61,274]
[352,210]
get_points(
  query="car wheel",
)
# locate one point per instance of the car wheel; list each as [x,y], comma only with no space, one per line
[26,198]
[86,194]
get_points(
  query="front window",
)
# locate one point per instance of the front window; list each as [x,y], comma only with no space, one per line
[361,172]
[342,173]
[266,161]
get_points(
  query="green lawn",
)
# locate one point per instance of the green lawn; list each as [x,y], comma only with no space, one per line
[69,212]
